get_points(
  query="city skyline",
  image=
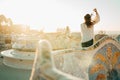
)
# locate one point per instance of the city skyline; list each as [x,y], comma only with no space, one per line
[52,14]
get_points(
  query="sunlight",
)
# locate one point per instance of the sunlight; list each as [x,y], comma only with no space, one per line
[51,14]
[42,14]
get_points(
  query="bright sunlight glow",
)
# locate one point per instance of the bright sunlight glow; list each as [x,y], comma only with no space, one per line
[53,14]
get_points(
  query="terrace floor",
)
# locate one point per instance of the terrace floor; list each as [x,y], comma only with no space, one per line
[9,73]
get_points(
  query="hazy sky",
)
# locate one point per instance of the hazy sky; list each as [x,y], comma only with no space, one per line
[50,14]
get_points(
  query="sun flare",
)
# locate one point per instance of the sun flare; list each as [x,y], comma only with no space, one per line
[50,15]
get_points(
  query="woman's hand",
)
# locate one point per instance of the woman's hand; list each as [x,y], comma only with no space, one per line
[95,10]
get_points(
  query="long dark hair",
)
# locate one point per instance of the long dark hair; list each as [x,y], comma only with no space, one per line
[88,21]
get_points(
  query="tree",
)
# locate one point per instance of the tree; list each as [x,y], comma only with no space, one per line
[5,21]
[2,20]
[9,22]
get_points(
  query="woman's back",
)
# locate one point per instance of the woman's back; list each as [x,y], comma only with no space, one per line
[87,29]
[86,33]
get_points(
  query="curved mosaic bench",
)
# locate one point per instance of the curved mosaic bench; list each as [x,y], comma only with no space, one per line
[43,67]
[99,42]
[78,62]
[100,61]
[105,61]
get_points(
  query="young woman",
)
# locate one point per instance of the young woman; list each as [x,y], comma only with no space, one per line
[87,29]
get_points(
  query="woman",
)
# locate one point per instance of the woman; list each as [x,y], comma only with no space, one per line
[87,29]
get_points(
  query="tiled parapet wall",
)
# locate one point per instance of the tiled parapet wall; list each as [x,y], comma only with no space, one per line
[118,38]
[106,61]
[70,62]
[43,67]
[100,41]
[26,43]
[58,56]
[77,62]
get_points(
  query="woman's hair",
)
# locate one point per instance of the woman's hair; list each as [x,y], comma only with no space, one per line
[88,22]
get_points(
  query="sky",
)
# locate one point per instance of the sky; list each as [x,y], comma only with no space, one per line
[52,14]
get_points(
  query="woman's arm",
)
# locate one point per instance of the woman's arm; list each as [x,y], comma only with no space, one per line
[97,17]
